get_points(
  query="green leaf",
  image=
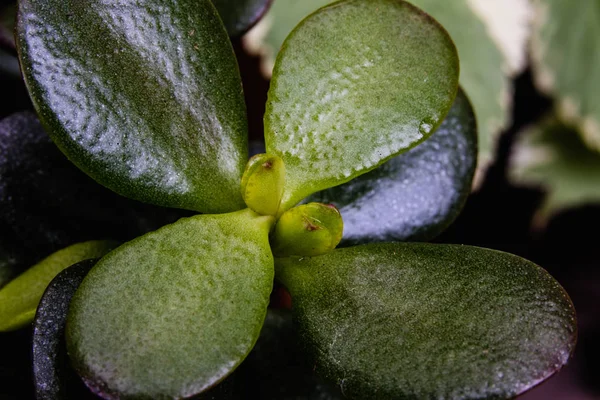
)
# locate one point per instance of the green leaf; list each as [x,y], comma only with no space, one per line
[53,376]
[170,314]
[416,195]
[484,69]
[355,84]
[20,297]
[566,61]
[144,97]
[553,156]
[239,15]
[411,320]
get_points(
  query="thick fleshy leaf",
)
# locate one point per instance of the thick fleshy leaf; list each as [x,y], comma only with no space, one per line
[48,204]
[239,15]
[415,195]
[355,84]
[145,97]
[566,61]
[411,320]
[20,297]
[501,27]
[52,374]
[170,314]
[554,157]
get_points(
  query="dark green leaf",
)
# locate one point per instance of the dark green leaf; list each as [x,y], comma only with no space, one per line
[356,83]
[48,204]
[144,97]
[52,375]
[415,195]
[410,320]
[170,314]
[20,297]
[239,15]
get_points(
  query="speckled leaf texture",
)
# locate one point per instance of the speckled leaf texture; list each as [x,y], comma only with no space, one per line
[144,96]
[485,71]
[425,321]
[356,83]
[240,15]
[417,194]
[52,375]
[566,61]
[553,156]
[20,297]
[170,314]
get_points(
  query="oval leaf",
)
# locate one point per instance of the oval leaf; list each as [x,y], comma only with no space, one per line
[144,97]
[239,15]
[356,83]
[20,297]
[53,376]
[415,195]
[410,320]
[170,314]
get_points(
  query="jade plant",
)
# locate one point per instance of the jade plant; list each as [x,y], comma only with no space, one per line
[146,98]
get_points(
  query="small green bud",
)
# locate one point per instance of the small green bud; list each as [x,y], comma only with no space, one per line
[262,183]
[307,230]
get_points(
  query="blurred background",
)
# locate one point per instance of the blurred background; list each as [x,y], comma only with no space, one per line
[532,71]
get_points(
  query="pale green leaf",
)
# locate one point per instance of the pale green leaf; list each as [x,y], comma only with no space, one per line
[356,83]
[484,67]
[554,157]
[565,52]
[20,297]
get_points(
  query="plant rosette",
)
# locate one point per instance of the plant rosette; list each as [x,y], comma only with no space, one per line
[146,99]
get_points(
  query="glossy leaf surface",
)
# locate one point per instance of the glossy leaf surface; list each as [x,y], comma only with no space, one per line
[239,15]
[48,204]
[410,320]
[145,97]
[355,84]
[482,31]
[417,194]
[553,156]
[20,297]
[170,314]
[52,374]
[566,61]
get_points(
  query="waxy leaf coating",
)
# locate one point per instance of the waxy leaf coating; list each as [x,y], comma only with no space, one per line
[171,313]
[144,96]
[52,374]
[417,194]
[411,320]
[356,83]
